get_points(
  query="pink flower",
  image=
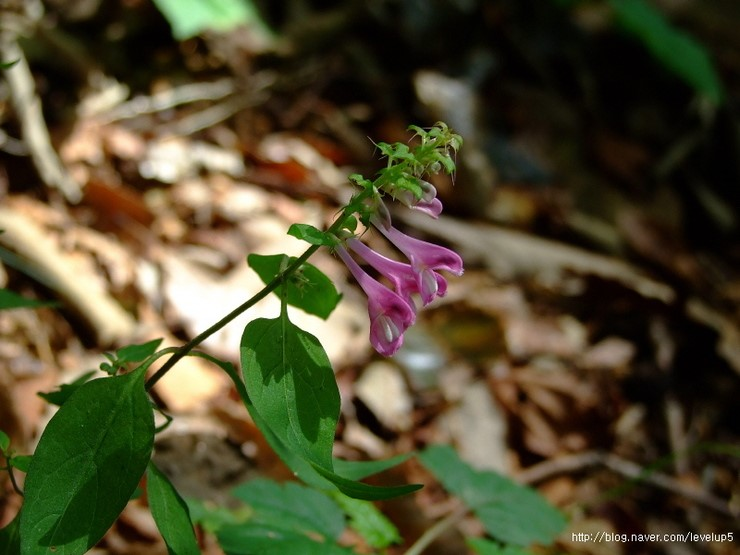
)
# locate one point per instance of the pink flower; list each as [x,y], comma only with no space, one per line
[390,314]
[425,259]
[402,275]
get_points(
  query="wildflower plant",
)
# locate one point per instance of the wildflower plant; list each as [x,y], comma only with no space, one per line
[97,449]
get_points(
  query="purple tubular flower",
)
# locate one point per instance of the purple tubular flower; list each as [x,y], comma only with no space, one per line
[390,314]
[402,275]
[425,258]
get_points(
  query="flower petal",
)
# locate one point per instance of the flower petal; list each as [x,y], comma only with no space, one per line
[390,314]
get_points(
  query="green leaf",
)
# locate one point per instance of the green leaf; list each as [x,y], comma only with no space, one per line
[358,490]
[357,470]
[510,512]
[60,396]
[9,300]
[4,442]
[311,235]
[88,463]
[170,513]
[308,288]
[368,521]
[301,466]
[137,353]
[487,547]
[8,65]
[676,50]
[10,538]
[21,462]
[292,386]
[189,18]
[291,507]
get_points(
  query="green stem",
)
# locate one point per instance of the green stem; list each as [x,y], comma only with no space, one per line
[431,534]
[198,339]
[183,351]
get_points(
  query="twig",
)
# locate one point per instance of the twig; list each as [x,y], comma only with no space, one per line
[623,467]
[27,107]
[166,100]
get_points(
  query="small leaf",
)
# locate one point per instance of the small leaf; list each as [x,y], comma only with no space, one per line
[4,442]
[8,65]
[137,353]
[10,538]
[88,463]
[311,235]
[510,512]
[59,396]
[368,521]
[308,289]
[292,385]
[21,462]
[170,513]
[9,300]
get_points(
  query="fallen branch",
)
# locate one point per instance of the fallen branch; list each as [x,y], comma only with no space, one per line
[628,469]
[27,107]
[49,265]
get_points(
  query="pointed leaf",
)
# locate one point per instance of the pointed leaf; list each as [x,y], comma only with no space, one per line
[292,385]
[87,465]
[359,490]
[311,235]
[301,466]
[357,470]
[170,513]
[308,289]
[137,353]
[510,512]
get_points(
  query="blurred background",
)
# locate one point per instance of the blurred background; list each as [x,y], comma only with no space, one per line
[592,347]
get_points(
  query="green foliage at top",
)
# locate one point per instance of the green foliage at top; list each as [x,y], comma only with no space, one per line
[189,18]
[511,513]
[87,465]
[676,50]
